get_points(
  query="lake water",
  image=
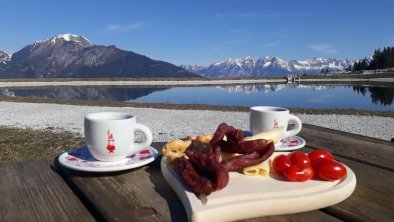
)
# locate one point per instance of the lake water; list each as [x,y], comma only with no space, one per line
[287,95]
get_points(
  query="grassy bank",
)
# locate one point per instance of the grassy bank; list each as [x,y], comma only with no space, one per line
[27,144]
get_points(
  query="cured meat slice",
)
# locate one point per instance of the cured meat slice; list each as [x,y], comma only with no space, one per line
[202,172]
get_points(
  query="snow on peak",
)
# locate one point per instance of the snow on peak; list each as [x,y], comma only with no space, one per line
[67,37]
[271,66]
[4,56]
[251,58]
[82,41]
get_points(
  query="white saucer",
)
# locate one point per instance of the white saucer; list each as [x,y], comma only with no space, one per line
[290,143]
[81,159]
[286,144]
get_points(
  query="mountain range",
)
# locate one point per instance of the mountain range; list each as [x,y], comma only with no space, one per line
[74,56]
[269,66]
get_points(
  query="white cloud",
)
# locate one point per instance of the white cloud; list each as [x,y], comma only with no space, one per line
[240,32]
[271,44]
[233,42]
[124,28]
[258,15]
[325,48]
[261,15]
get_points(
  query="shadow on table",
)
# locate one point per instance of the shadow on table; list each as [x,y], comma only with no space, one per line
[177,211]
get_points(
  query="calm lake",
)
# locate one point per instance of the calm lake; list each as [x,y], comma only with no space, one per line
[287,95]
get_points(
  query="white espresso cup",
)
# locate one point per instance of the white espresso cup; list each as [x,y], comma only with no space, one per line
[266,118]
[110,135]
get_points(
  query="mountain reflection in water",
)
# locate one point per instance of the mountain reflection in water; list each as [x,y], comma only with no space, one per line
[288,95]
[83,93]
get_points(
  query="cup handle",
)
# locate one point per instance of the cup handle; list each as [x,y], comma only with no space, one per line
[297,127]
[147,135]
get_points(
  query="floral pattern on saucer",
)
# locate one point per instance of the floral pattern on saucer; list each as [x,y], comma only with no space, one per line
[290,143]
[81,159]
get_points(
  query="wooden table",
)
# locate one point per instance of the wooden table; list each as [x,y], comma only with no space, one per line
[46,191]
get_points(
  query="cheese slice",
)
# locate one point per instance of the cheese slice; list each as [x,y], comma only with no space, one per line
[274,135]
[261,169]
[225,156]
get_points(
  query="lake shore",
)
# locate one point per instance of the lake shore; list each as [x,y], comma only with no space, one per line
[53,82]
[168,124]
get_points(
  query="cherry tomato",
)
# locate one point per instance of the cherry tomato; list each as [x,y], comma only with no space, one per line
[281,163]
[298,173]
[317,155]
[330,170]
[297,157]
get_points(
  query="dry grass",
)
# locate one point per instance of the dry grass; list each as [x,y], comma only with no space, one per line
[27,144]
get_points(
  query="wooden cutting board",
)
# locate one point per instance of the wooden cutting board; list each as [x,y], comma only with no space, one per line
[250,196]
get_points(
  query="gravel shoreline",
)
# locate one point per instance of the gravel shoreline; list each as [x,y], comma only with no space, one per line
[167,124]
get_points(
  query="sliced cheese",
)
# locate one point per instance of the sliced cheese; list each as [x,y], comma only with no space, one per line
[274,135]
[225,156]
[174,149]
[261,169]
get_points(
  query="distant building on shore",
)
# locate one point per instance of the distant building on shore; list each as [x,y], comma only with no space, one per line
[293,78]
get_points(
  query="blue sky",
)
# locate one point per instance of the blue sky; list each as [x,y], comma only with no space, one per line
[206,31]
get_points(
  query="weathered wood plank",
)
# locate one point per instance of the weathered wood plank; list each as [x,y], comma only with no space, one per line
[363,149]
[373,198]
[143,195]
[133,195]
[32,191]
[299,217]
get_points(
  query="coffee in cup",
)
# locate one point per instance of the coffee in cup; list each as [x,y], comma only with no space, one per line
[266,118]
[110,135]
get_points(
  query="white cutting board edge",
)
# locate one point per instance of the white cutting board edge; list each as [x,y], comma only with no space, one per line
[241,207]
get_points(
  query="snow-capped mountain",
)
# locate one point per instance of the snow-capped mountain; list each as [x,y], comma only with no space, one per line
[77,39]
[248,66]
[74,56]
[193,68]
[317,64]
[268,66]
[52,56]
[4,57]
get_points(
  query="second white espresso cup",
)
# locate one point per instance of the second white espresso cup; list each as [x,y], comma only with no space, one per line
[266,118]
[110,135]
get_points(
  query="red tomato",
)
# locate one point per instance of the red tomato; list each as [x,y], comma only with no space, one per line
[317,155]
[281,163]
[298,173]
[297,157]
[330,170]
